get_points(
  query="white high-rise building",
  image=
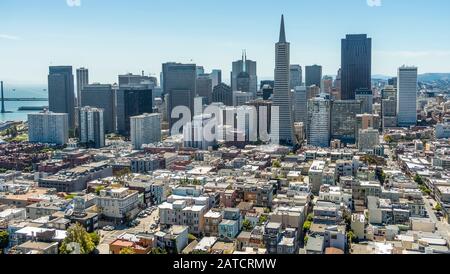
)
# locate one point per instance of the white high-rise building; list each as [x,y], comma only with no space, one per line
[319,122]
[282,94]
[92,130]
[48,127]
[407,96]
[145,129]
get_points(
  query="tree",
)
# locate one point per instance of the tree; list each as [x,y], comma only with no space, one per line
[4,239]
[307,226]
[418,179]
[95,238]
[262,220]
[247,225]
[351,237]
[199,252]
[276,164]
[388,139]
[127,251]
[310,217]
[438,207]
[78,234]
[157,251]
[98,189]
[191,238]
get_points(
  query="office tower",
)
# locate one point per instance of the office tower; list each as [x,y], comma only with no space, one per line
[366,121]
[407,96]
[318,129]
[222,93]
[48,127]
[300,105]
[241,98]
[327,84]
[131,101]
[313,75]
[356,65]
[200,70]
[368,139]
[296,76]
[145,129]
[267,92]
[366,97]
[336,90]
[389,107]
[312,91]
[393,82]
[216,77]
[343,116]
[61,96]
[92,131]
[282,93]
[205,87]
[82,81]
[249,67]
[133,79]
[103,97]
[180,83]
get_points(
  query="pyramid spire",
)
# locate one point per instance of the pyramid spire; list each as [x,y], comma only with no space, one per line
[282,31]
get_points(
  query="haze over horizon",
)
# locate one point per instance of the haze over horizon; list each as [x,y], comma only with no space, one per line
[117,37]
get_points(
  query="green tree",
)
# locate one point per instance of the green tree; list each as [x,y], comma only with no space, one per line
[198,252]
[157,251]
[95,237]
[276,164]
[4,239]
[262,219]
[418,179]
[98,189]
[388,139]
[310,217]
[438,207]
[307,226]
[127,251]
[191,238]
[78,234]
[351,237]
[247,225]
[305,240]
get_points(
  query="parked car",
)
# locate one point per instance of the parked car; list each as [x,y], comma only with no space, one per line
[109,228]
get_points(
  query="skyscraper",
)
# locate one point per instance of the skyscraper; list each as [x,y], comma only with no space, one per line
[180,83]
[366,97]
[313,75]
[92,131]
[407,96]
[356,65]
[318,129]
[296,76]
[300,105]
[248,66]
[343,120]
[389,107]
[131,101]
[216,77]
[82,81]
[222,93]
[48,127]
[282,93]
[204,87]
[61,95]
[101,96]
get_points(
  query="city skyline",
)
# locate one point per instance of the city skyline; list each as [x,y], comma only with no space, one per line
[151,37]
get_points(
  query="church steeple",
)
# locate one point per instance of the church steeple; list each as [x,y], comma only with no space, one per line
[282,31]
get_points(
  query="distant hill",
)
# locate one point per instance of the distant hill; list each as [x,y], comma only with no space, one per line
[432,77]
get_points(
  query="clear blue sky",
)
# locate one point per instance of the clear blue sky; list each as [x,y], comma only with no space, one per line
[112,37]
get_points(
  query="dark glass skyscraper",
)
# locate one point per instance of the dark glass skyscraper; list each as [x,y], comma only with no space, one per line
[356,65]
[61,94]
[313,75]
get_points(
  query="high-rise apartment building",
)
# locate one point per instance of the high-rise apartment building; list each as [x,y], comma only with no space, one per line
[103,97]
[366,97]
[145,129]
[92,131]
[48,127]
[318,128]
[82,81]
[343,116]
